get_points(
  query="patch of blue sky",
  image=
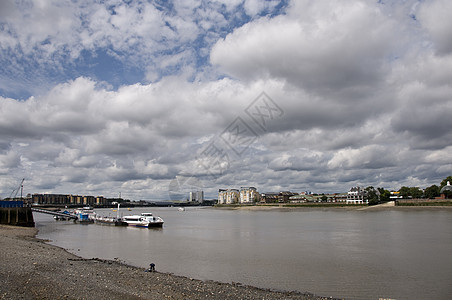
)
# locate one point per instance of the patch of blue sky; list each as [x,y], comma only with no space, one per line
[279,9]
[23,76]
[164,5]
[105,65]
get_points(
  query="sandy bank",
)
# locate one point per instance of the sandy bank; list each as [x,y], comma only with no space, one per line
[32,269]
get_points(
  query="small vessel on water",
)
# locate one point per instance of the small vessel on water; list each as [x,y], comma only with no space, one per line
[85,215]
[145,220]
[84,219]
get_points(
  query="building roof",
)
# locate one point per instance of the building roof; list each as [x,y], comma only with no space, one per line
[446,188]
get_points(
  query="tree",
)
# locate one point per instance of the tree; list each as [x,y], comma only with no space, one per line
[416,192]
[432,191]
[384,195]
[405,192]
[372,195]
[411,192]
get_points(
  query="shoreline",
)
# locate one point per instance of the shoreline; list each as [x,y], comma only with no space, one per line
[332,208]
[30,268]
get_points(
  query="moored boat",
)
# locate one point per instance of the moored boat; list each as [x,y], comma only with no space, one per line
[84,219]
[116,221]
[145,220]
[85,215]
[110,221]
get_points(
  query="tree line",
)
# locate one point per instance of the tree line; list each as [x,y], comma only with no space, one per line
[380,195]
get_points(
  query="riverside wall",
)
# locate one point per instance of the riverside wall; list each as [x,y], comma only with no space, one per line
[424,202]
[17,216]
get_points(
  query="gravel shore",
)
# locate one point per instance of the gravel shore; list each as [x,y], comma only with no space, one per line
[32,269]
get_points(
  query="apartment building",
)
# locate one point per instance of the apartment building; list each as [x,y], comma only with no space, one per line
[248,195]
[228,196]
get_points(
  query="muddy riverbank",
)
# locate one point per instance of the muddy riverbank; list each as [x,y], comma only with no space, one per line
[32,269]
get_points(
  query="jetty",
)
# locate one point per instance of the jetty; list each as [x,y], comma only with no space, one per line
[55,213]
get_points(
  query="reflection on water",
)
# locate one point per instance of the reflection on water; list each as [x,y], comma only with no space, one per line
[351,254]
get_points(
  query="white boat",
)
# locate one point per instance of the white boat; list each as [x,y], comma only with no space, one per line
[145,220]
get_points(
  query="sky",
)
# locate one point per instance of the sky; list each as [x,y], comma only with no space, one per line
[154,99]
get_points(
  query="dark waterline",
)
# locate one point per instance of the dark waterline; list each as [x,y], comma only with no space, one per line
[350,254]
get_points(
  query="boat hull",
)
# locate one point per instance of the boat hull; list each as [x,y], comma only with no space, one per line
[156,224]
[150,225]
[85,221]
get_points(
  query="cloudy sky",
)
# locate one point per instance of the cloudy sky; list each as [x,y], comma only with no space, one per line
[152,99]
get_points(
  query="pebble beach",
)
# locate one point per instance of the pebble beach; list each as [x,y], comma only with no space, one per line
[31,268]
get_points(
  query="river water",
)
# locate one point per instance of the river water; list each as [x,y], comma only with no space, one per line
[394,253]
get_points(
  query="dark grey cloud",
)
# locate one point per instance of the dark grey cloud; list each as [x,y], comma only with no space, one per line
[433,16]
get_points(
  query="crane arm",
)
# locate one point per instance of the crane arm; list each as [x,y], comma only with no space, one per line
[17,190]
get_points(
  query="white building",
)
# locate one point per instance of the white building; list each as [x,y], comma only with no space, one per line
[357,195]
[248,195]
[221,196]
[192,196]
[229,196]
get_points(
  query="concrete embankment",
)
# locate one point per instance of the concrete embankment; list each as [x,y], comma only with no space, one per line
[33,269]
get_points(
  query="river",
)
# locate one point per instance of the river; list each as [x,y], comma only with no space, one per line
[392,253]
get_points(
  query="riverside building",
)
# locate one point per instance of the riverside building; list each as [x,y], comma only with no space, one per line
[357,195]
[197,196]
[229,196]
[60,199]
[248,195]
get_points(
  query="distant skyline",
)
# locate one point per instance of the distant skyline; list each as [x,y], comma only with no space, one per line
[153,99]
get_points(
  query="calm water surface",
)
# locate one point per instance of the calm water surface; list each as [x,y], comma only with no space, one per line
[397,254]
